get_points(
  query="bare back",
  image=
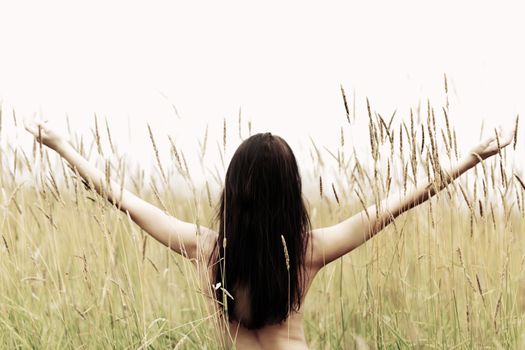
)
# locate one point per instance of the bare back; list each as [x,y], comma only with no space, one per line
[286,335]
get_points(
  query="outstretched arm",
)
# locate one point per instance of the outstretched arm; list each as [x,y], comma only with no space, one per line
[174,233]
[332,242]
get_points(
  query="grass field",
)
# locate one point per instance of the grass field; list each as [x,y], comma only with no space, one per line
[75,273]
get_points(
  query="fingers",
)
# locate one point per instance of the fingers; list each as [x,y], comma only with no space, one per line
[30,126]
[489,141]
[38,120]
[35,125]
[508,137]
[512,131]
[503,138]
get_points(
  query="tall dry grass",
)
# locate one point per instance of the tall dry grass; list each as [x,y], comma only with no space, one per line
[77,273]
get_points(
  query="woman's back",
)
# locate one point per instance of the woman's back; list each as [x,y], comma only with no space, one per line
[289,334]
[260,254]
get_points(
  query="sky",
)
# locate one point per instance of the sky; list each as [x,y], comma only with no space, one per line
[278,63]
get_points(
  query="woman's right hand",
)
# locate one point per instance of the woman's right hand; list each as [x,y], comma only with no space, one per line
[493,144]
[44,133]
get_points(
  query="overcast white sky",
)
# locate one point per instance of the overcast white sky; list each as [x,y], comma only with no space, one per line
[282,62]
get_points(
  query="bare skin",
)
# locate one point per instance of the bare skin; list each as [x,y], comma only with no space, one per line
[326,244]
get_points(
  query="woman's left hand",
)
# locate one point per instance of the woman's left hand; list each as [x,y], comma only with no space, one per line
[44,133]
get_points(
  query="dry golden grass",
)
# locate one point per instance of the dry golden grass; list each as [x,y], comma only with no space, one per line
[77,273]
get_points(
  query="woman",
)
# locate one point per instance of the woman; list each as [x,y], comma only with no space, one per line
[264,256]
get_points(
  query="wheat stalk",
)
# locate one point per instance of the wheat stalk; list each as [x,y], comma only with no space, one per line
[346,104]
[157,157]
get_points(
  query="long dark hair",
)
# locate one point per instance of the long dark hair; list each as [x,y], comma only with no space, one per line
[263,234]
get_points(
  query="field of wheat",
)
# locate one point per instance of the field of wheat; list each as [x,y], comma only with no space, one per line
[76,273]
